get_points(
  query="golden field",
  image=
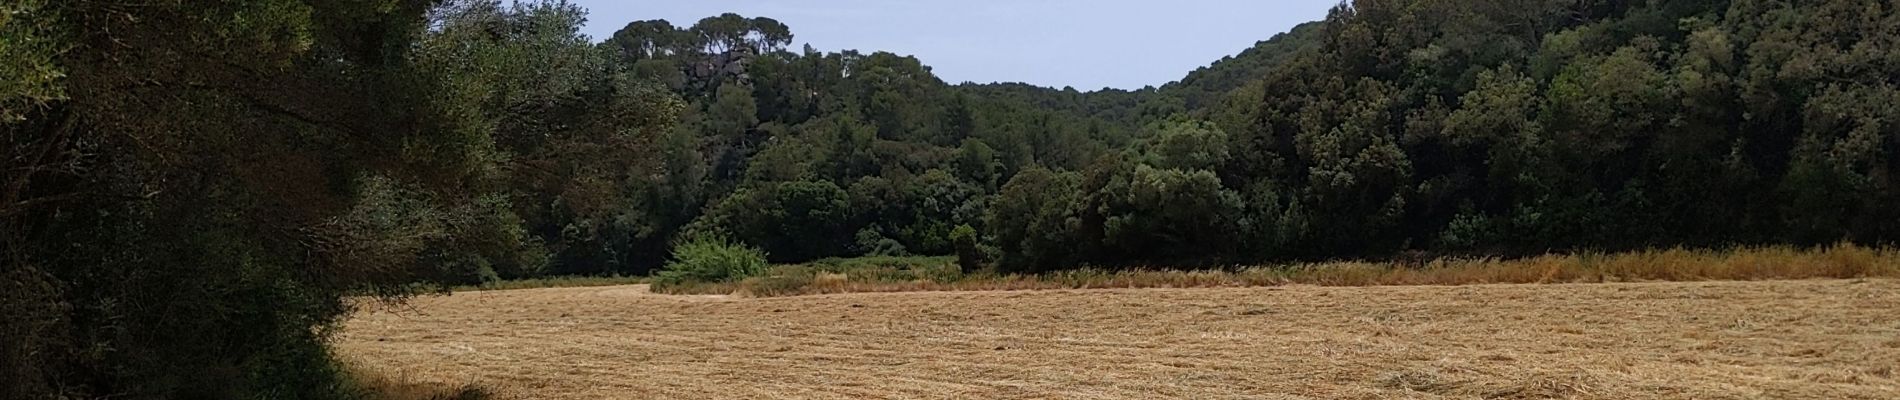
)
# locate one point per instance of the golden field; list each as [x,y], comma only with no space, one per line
[1821,339]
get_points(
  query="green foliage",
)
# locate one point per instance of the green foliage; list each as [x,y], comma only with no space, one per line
[1204,88]
[1478,127]
[793,220]
[710,259]
[847,265]
[977,162]
[28,47]
[555,282]
[1187,146]
[1166,215]
[561,126]
[1160,206]
[732,112]
[193,235]
[1032,220]
[204,184]
[871,243]
[969,256]
[916,212]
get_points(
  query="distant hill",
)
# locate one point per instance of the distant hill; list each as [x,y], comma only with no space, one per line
[1207,84]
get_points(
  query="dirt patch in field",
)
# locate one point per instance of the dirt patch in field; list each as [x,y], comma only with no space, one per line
[1834,339]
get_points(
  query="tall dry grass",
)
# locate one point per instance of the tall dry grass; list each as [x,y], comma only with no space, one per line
[1754,263]
[371,385]
[555,282]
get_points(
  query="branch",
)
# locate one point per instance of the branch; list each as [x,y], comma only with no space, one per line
[22,206]
[56,140]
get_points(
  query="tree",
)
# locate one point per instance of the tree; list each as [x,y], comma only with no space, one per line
[977,162]
[768,35]
[969,256]
[930,205]
[733,113]
[1197,145]
[564,123]
[1165,216]
[649,40]
[1471,126]
[1032,221]
[792,221]
[722,33]
[1497,125]
[206,182]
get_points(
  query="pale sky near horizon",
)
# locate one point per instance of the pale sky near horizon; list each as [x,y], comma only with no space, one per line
[1125,44]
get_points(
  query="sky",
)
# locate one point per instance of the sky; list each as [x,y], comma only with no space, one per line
[1085,44]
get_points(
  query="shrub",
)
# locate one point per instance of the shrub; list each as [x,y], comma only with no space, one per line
[905,274]
[711,259]
[782,281]
[378,385]
[872,243]
[969,255]
[1031,221]
[794,221]
[852,265]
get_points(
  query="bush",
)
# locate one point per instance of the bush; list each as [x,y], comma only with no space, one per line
[711,259]
[872,243]
[969,254]
[1032,221]
[378,385]
[850,265]
[794,221]
[787,280]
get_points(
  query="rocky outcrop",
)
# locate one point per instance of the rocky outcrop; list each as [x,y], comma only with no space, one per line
[732,64]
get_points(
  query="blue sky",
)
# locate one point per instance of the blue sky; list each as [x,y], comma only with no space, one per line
[1087,44]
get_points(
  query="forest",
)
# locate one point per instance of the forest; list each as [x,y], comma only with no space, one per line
[194,191]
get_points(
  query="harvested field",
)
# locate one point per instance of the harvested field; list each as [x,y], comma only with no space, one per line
[1820,339]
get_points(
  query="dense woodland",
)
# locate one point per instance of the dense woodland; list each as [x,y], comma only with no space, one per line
[192,189]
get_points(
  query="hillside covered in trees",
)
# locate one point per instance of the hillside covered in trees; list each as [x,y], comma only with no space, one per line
[1464,127]
[193,189]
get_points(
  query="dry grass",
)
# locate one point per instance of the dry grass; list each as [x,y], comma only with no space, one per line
[1832,339]
[374,384]
[1763,263]
[555,282]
